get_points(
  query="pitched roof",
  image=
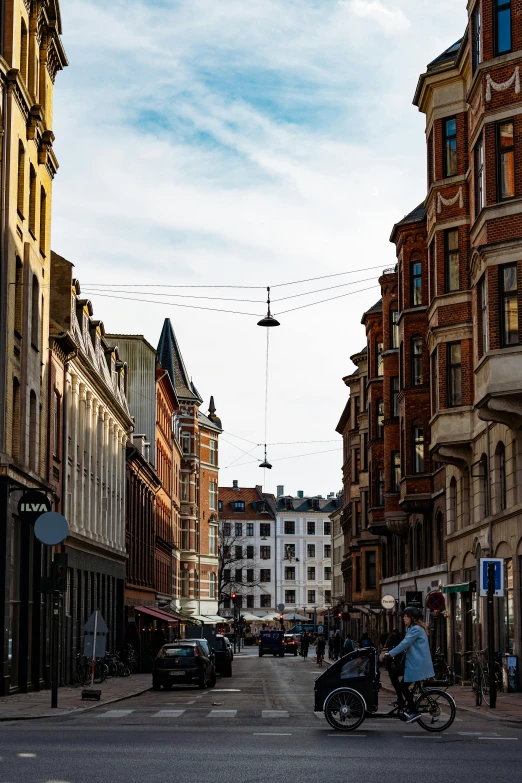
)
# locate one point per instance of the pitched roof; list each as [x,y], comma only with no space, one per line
[447,58]
[417,215]
[206,422]
[171,360]
[305,505]
[376,308]
[251,496]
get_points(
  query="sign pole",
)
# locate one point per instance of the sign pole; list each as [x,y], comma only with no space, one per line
[93,662]
[491,637]
[55,645]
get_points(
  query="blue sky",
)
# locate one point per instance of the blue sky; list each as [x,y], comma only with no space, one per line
[245,142]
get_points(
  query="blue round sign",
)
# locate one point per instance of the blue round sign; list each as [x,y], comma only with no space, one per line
[51,528]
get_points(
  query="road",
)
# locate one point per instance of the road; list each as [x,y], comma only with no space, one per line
[257,726]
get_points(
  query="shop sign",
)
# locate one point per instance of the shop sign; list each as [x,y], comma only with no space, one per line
[32,504]
[388,602]
[414,598]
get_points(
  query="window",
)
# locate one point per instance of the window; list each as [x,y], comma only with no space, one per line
[290,527]
[250,529]
[380,487]
[23,51]
[238,529]
[379,364]
[371,570]
[416,361]
[434,381]
[311,596]
[32,200]
[227,528]
[290,573]
[226,602]
[212,495]
[432,269]
[56,424]
[327,528]
[239,505]
[394,329]
[266,601]
[479,177]
[327,550]
[33,434]
[356,465]
[265,575]
[310,550]
[226,576]
[250,601]
[185,534]
[264,529]
[364,456]
[418,449]
[35,312]
[212,539]
[289,596]
[358,583]
[396,471]
[19,296]
[356,411]
[484,484]
[502,22]
[213,452]
[264,552]
[238,552]
[220,505]
[501,467]
[509,305]
[327,572]
[483,309]
[238,578]
[21,179]
[416,283]
[380,419]
[505,160]
[454,358]
[185,443]
[212,585]
[250,575]
[43,221]
[450,147]
[289,551]
[328,596]
[477,37]
[184,583]
[394,395]
[310,573]
[451,259]
[310,527]
[250,552]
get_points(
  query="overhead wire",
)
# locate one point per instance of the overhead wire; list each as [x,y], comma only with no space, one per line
[294,456]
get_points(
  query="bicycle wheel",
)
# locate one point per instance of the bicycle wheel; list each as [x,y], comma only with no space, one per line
[83,674]
[101,672]
[485,688]
[344,710]
[477,689]
[437,708]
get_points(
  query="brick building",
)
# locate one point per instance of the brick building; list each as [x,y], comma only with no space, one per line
[31,54]
[444,448]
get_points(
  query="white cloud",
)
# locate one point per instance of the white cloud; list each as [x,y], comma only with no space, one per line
[391,19]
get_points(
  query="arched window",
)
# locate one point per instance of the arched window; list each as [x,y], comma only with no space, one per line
[452,505]
[483,478]
[35,312]
[23,51]
[15,448]
[43,221]
[212,585]
[500,477]
[33,431]
[19,296]
[439,532]
[20,198]
[429,553]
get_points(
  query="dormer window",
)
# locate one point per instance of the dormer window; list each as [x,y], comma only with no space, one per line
[289,504]
[261,507]
[315,504]
[220,505]
[238,505]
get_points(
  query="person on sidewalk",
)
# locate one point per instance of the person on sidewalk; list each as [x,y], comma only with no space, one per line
[393,639]
[320,647]
[337,644]
[418,659]
[365,641]
[305,644]
[348,644]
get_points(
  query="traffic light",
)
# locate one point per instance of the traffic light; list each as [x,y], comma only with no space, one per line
[59,573]
[339,614]
[281,617]
[233,597]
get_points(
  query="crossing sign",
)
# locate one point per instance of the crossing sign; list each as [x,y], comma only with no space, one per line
[499,576]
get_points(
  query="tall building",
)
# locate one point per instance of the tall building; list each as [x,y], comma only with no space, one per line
[31,54]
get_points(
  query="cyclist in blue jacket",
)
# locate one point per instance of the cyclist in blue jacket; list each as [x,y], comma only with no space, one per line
[418,657]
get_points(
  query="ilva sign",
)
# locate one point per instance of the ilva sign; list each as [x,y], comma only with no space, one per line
[32,504]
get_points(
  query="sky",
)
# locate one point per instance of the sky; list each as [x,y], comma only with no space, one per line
[250,143]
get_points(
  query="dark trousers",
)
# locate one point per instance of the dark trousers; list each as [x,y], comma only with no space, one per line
[404,694]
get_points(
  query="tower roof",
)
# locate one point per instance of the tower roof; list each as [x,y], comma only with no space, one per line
[171,360]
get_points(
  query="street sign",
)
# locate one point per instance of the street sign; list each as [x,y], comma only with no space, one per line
[414,598]
[320,629]
[51,528]
[32,504]
[499,576]
[388,602]
[436,601]
[280,607]
[95,636]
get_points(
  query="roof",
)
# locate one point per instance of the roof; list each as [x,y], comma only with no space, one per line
[206,422]
[344,418]
[251,496]
[417,215]
[447,59]
[376,308]
[305,505]
[170,357]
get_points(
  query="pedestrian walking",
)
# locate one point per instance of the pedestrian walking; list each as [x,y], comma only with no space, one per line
[365,641]
[348,644]
[337,643]
[418,665]
[330,647]
[320,647]
[393,639]
[305,644]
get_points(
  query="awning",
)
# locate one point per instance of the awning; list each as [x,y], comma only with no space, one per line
[166,617]
[209,619]
[463,587]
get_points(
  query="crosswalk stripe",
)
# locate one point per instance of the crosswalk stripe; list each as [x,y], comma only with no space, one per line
[222,714]
[115,713]
[168,714]
[274,714]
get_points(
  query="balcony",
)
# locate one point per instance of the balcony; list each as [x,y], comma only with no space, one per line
[416,494]
[451,435]
[498,387]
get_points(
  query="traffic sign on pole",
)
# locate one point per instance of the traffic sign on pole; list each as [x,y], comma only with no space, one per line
[498,564]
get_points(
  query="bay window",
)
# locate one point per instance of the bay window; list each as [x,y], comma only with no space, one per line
[418,449]
[454,374]
[416,361]
[450,147]
[505,160]
[502,26]
[451,259]
[509,305]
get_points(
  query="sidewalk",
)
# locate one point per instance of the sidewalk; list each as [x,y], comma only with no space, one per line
[24,706]
[508,709]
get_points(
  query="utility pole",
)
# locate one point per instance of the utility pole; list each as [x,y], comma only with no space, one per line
[491,637]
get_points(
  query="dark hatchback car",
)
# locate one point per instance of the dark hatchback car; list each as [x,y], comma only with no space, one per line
[185,662]
[223,655]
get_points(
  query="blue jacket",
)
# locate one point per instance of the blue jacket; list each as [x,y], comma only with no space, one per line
[418,656]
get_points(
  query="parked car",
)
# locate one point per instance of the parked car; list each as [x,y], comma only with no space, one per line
[290,644]
[185,662]
[223,656]
[230,646]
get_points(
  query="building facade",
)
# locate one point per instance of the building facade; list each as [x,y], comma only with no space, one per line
[31,54]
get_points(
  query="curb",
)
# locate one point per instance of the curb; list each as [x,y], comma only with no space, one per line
[474,711]
[76,710]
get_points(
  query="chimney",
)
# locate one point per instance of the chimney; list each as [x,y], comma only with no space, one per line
[331,495]
[300,493]
[259,488]
[280,491]
[235,485]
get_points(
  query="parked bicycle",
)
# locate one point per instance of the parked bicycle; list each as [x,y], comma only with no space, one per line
[480,675]
[84,670]
[115,666]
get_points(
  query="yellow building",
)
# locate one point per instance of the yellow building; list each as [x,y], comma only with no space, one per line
[31,54]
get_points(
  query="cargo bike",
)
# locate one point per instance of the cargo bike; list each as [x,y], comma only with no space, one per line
[348,692]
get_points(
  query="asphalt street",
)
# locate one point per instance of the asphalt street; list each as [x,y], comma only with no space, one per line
[258,725]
